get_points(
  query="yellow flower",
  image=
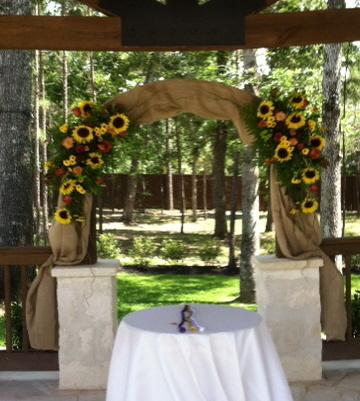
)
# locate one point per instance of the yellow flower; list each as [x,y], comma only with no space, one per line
[83,134]
[295,181]
[80,219]
[295,120]
[119,123]
[103,128]
[86,108]
[298,101]
[317,142]
[265,109]
[309,205]
[80,189]
[62,216]
[270,122]
[64,128]
[294,211]
[283,152]
[305,151]
[67,187]
[95,160]
[66,162]
[311,125]
[48,165]
[310,175]
[98,132]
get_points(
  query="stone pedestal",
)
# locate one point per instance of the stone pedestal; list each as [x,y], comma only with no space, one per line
[288,298]
[86,297]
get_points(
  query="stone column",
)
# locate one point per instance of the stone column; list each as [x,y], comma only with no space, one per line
[86,296]
[288,298]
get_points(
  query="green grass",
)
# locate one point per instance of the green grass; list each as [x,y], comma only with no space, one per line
[137,292]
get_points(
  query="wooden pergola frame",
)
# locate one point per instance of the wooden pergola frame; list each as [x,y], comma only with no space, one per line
[104,33]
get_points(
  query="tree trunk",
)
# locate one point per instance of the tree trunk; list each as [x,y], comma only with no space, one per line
[331,177]
[205,207]
[131,183]
[250,207]
[233,208]
[269,218]
[250,220]
[194,189]
[181,181]
[169,174]
[219,153]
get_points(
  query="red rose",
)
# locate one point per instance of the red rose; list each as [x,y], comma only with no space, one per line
[67,200]
[314,153]
[59,172]
[277,137]
[80,149]
[313,188]
[76,112]
[300,147]
[262,124]
[105,146]
[293,141]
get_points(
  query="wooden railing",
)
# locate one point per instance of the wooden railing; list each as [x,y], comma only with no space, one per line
[18,265]
[347,247]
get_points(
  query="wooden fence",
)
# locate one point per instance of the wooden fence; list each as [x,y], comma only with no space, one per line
[153,191]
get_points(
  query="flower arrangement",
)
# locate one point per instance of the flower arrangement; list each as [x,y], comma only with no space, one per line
[81,151]
[289,137]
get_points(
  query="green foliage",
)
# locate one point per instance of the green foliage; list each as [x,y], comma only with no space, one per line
[107,246]
[16,325]
[143,249]
[210,251]
[175,250]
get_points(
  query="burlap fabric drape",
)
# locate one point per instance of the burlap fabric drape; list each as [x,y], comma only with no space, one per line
[69,245]
[299,238]
[145,105]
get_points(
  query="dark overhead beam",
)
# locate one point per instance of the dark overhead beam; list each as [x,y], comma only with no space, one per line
[103,33]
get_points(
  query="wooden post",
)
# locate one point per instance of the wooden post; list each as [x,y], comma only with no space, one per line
[91,254]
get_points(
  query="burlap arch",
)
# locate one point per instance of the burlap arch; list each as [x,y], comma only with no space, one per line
[298,239]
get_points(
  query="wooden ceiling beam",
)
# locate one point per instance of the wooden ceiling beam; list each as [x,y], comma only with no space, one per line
[103,33]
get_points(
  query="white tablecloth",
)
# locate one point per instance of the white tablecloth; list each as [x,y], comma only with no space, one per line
[233,359]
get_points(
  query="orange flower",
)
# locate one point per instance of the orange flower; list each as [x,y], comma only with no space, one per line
[77,170]
[68,142]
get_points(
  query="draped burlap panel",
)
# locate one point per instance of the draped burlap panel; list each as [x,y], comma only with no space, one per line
[69,244]
[299,237]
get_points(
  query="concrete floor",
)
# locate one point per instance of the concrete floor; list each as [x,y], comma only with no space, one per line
[341,382]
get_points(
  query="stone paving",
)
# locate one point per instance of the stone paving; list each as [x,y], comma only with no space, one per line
[341,382]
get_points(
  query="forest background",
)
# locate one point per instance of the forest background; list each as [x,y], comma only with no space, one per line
[38,90]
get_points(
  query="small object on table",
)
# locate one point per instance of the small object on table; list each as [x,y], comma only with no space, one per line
[187,317]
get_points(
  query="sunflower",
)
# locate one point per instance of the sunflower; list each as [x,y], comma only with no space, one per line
[95,160]
[311,125]
[295,181]
[270,122]
[86,108]
[119,123]
[309,205]
[265,109]
[83,134]
[295,120]
[80,189]
[298,101]
[64,128]
[317,142]
[310,175]
[283,152]
[67,187]
[62,216]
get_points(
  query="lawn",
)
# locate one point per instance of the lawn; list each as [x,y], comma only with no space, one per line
[137,292]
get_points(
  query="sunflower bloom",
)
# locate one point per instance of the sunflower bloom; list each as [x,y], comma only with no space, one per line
[86,108]
[317,142]
[270,122]
[62,216]
[312,125]
[67,187]
[298,101]
[295,120]
[310,175]
[83,134]
[64,128]
[119,123]
[95,160]
[265,110]
[283,152]
[295,181]
[80,189]
[309,205]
